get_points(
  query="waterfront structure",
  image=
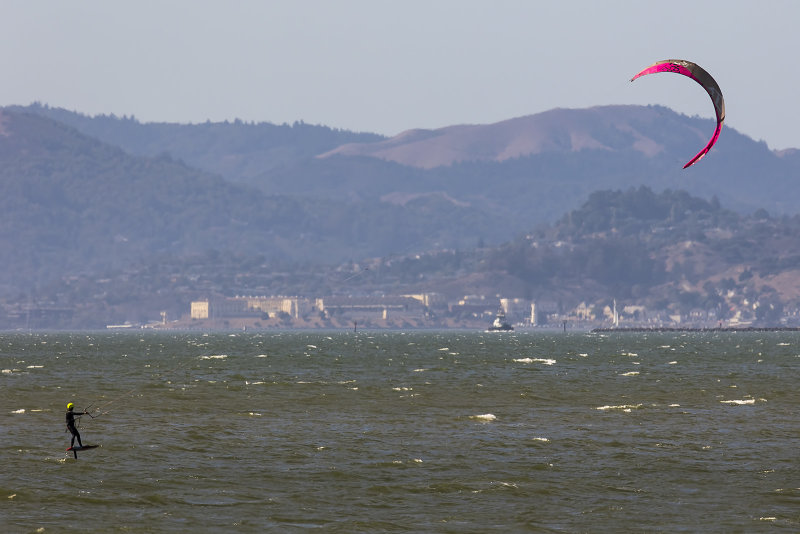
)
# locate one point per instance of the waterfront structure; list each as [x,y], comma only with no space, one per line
[241,306]
[370,307]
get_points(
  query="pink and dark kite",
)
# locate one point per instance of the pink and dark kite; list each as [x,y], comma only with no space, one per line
[698,74]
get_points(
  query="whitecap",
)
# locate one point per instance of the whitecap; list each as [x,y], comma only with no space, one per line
[214,357]
[622,407]
[545,361]
[673,363]
[21,410]
[254,414]
[739,402]
[35,366]
[630,373]
[484,417]
[541,439]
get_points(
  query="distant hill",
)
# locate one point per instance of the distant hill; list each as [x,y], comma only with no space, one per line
[608,128]
[614,147]
[70,204]
[234,149]
[581,150]
[524,171]
[667,253]
[84,199]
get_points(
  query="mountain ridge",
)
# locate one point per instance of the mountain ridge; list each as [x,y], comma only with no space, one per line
[556,130]
[76,209]
[561,155]
[72,204]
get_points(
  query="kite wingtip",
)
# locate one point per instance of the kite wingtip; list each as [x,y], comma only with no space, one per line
[694,160]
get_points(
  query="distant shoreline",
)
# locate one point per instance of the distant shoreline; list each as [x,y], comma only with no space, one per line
[710,329]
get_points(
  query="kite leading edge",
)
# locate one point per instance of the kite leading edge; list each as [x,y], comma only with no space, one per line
[698,74]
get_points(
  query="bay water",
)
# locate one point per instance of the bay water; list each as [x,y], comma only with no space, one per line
[446,431]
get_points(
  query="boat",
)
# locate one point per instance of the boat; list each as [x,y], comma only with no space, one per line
[500,324]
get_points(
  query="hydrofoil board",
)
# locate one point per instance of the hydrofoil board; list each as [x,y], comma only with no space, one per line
[85,447]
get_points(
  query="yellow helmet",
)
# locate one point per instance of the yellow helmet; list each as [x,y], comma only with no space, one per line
[70,406]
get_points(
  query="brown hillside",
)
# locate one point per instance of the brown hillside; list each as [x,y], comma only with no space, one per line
[557,130]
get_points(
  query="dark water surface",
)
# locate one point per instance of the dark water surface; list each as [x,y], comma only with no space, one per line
[402,432]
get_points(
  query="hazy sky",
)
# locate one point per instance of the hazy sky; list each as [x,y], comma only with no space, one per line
[387,66]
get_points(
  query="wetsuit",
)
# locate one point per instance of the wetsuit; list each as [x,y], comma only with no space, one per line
[72,429]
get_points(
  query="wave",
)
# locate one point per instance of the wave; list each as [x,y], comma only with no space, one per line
[545,361]
[622,407]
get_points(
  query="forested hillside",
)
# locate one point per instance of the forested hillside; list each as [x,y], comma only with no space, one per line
[666,251]
[112,233]
[528,170]
[237,150]
[70,205]
[669,252]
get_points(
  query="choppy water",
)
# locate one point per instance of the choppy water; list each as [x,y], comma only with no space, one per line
[394,432]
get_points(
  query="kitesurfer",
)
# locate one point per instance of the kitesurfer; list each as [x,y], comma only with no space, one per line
[71,425]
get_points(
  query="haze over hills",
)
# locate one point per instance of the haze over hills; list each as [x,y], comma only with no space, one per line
[91,197]
[526,170]
[70,204]
[235,149]
[558,130]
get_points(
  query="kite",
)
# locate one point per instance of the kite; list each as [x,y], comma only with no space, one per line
[698,74]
